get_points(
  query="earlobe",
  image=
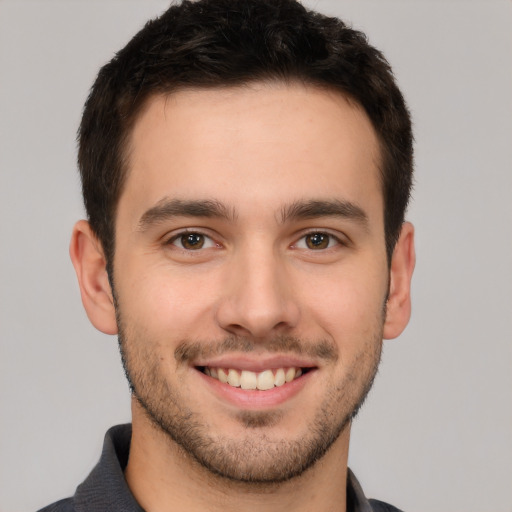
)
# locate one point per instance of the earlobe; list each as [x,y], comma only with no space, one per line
[90,267]
[398,309]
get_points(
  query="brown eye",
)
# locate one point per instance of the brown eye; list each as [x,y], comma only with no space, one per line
[191,241]
[317,241]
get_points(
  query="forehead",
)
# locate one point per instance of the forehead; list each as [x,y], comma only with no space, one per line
[263,143]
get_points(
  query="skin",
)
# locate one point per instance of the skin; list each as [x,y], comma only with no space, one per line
[256,150]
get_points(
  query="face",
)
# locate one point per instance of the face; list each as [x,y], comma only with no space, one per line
[250,273]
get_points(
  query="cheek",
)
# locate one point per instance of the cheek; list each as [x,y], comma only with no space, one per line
[346,304]
[166,300]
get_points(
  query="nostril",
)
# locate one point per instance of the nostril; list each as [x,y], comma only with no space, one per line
[257,310]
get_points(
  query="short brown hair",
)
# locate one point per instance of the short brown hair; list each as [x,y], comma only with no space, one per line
[216,43]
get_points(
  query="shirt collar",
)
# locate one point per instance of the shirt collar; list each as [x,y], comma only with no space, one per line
[105,488]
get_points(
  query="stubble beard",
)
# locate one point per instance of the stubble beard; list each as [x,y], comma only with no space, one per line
[257,458]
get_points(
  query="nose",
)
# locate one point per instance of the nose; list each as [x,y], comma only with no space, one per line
[258,298]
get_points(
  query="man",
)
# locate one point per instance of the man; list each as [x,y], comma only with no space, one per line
[246,166]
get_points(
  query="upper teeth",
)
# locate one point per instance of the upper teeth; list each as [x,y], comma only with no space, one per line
[246,379]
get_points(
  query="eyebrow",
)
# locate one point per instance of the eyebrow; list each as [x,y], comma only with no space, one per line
[312,209]
[167,208]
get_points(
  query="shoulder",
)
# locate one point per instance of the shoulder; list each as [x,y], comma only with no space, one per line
[380,506]
[65,505]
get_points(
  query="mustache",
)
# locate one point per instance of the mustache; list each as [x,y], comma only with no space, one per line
[188,351]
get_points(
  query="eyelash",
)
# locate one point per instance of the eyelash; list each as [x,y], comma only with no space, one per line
[211,243]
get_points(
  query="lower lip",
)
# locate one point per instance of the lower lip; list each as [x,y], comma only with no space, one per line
[254,399]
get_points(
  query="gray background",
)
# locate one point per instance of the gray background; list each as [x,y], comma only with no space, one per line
[436,432]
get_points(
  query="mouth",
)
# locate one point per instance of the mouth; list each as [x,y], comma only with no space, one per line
[264,380]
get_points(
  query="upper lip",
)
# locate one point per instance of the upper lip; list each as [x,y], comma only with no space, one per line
[255,364]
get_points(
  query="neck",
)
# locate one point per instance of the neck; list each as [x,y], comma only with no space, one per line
[162,477]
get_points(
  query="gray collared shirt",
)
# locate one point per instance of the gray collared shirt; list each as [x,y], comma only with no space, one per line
[106,489]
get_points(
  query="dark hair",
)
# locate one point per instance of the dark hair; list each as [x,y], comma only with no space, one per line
[216,43]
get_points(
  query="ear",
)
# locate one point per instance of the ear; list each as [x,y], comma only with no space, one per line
[90,267]
[398,309]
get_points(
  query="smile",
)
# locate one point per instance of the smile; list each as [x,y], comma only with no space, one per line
[246,379]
